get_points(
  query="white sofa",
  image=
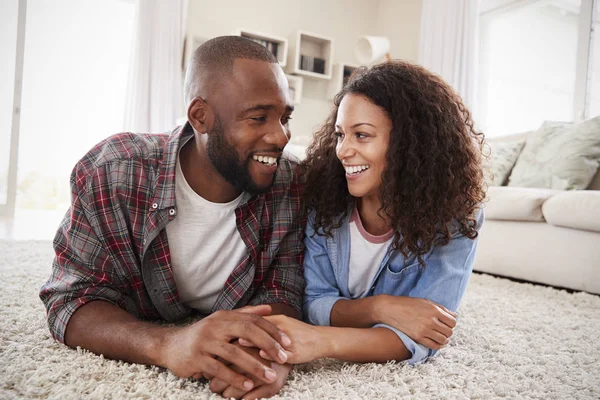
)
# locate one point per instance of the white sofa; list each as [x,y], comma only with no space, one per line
[543,235]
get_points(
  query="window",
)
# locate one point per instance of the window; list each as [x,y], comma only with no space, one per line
[534,58]
[74,83]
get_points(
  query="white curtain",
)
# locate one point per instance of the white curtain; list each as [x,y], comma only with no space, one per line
[448,44]
[154,88]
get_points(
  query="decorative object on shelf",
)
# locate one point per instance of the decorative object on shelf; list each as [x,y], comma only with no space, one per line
[311,55]
[341,73]
[370,49]
[276,45]
[295,83]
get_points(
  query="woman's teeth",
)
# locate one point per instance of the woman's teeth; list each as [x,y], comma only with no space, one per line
[356,169]
[270,161]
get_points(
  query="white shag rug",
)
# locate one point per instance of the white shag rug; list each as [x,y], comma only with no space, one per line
[513,340]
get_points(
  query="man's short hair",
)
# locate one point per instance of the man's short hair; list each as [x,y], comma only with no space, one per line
[217,56]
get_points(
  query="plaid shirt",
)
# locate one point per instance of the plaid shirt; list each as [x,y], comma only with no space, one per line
[112,244]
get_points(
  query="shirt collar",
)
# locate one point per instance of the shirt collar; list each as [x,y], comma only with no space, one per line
[164,194]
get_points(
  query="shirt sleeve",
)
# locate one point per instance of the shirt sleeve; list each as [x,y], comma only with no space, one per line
[321,288]
[82,270]
[443,281]
[284,282]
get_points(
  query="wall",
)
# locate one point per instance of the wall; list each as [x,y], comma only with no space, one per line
[400,20]
[342,20]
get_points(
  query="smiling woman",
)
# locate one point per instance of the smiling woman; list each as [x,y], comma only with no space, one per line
[394,188]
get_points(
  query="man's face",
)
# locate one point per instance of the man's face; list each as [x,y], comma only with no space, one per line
[252,112]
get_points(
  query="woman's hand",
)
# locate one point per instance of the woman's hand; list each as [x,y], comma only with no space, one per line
[308,342]
[422,320]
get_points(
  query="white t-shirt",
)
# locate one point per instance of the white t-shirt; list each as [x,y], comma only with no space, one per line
[205,245]
[366,254]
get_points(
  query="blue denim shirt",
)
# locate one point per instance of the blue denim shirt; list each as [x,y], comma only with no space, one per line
[443,281]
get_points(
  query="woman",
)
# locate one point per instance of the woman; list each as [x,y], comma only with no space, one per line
[394,186]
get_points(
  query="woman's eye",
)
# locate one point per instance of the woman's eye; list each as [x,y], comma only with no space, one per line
[339,135]
[360,135]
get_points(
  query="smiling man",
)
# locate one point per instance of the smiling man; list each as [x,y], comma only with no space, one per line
[202,221]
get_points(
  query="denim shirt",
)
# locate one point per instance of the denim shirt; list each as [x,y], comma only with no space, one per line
[443,280]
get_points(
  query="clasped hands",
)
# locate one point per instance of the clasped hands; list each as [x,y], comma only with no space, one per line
[209,348]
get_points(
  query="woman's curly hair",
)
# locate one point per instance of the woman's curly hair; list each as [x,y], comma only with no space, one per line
[433,181]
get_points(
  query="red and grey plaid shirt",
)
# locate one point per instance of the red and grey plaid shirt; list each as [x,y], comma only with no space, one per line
[112,244]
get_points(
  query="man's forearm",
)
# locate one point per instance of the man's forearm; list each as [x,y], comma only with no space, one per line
[104,328]
[357,313]
[363,345]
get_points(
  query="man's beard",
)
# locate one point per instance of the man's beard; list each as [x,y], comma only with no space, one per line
[224,159]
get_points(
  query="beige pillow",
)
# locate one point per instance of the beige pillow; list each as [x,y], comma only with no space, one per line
[503,155]
[559,156]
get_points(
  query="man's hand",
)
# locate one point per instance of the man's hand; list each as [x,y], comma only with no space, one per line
[260,390]
[422,320]
[192,350]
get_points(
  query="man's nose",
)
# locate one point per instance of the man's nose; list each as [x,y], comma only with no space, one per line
[279,136]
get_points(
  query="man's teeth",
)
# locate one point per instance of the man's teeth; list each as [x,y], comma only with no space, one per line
[356,169]
[265,160]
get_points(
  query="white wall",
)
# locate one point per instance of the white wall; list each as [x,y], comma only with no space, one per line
[342,20]
[400,20]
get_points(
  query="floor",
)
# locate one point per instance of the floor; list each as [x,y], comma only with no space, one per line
[30,225]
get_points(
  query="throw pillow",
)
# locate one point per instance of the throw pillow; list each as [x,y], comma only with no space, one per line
[559,156]
[503,155]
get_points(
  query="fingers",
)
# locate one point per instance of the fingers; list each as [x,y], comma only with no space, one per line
[246,362]
[443,329]
[221,372]
[430,344]
[289,354]
[447,319]
[246,343]
[262,392]
[263,335]
[439,339]
[262,310]
[217,385]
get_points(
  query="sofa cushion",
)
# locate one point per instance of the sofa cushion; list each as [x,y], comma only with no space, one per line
[578,209]
[503,155]
[516,203]
[559,156]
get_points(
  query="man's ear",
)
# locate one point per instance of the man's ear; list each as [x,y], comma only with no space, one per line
[200,115]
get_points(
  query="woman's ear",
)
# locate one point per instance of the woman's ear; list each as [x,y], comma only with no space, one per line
[199,115]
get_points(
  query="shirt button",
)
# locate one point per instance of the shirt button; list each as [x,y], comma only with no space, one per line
[172,211]
[155,205]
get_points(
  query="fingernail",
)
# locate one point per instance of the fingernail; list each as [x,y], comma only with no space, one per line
[282,356]
[270,374]
[286,340]
[248,385]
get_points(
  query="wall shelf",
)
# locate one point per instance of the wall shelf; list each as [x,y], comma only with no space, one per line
[310,55]
[277,45]
[341,73]
[295,83]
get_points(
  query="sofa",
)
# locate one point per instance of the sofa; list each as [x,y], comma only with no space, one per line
[549,233]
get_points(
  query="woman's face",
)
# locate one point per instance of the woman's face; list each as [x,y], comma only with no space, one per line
[363,135]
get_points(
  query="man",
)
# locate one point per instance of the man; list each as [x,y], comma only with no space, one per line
[205,220]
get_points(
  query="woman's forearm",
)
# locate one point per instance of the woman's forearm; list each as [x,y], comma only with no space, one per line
[356,313]
[363,345]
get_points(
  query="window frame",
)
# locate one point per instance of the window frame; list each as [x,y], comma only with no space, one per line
[581,107]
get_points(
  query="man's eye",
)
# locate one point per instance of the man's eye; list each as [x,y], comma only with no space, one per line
[259,119]
[286,120]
